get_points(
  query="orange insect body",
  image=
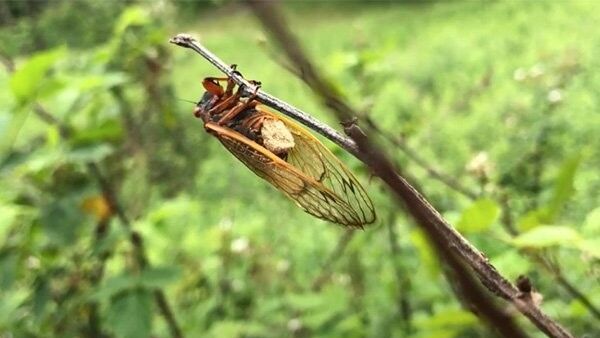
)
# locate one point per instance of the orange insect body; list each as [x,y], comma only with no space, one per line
[284,154]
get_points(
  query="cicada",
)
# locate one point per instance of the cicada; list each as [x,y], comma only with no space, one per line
[284,154]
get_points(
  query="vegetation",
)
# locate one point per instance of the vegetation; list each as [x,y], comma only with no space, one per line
[499,101]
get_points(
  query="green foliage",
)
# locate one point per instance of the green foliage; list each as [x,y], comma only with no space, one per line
[496,96]
[547,236]
[479,216]
[28,80]
[130,314]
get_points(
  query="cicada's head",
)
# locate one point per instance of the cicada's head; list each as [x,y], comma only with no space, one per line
[212,96]
[203,106]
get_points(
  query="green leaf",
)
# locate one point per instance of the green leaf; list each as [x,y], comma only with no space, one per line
[89,153]
[9,215]
[445,320]
[94,81]
[61,221]
[108,131]
[41,296]
[531,220]
[12,126]
[511,263]
[130,314]
[227,328]
[157,277]
[10,302]
[28,79]
[115,285]
[426,252]
[133,16]
[563,188]
[562,191]
[591,225]
[304,301]
[9,263]
[590,247]
[546,236]
[479,216]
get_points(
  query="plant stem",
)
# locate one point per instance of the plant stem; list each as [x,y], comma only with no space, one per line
[447,239]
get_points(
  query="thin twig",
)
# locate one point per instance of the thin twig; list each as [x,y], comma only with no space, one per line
[447,238]
[402,278]
[95,276]
[398,141]
[420,161]
[187,41]
[342,243]
[425,215]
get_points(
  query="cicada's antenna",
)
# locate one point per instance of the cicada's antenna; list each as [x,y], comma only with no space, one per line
[188,101]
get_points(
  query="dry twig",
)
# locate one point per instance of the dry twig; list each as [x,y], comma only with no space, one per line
[447,240]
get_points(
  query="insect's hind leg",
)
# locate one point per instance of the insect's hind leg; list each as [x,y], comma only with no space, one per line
[249,103]
[230,115]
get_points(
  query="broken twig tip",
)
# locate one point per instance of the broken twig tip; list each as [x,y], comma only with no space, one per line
[182,39]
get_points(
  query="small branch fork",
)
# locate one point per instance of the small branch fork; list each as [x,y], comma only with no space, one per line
[446,239]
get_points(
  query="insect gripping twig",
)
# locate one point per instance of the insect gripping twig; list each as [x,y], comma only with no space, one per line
[451,244]
[187,41]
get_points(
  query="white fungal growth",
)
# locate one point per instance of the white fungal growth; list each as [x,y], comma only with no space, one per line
[276,136]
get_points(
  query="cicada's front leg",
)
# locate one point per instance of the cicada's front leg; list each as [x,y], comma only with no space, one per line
[241,106]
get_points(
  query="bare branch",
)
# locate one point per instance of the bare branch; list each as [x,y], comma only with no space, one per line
[187,41]
[446,238]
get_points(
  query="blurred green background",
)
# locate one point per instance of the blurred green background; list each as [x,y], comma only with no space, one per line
[501,98]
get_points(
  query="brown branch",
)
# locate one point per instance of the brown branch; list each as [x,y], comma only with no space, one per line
[439,231]
[452,248]
[474,297]
[397,140]
[419,208]
[538,258]
[457,186]
[454,184]
[247,89]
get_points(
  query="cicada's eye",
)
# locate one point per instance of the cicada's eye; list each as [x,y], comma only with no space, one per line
[213,87]
[207,101]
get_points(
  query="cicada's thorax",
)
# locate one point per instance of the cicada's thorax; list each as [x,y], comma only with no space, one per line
[252,122]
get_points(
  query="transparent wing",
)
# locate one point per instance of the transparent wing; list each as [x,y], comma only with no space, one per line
[309,193]
[311,157]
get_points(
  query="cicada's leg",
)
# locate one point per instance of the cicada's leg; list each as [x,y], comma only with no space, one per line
[227,100]
[250,102]
[226,103]
[230,115]
[217,79]
[255,122]
[230,86]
